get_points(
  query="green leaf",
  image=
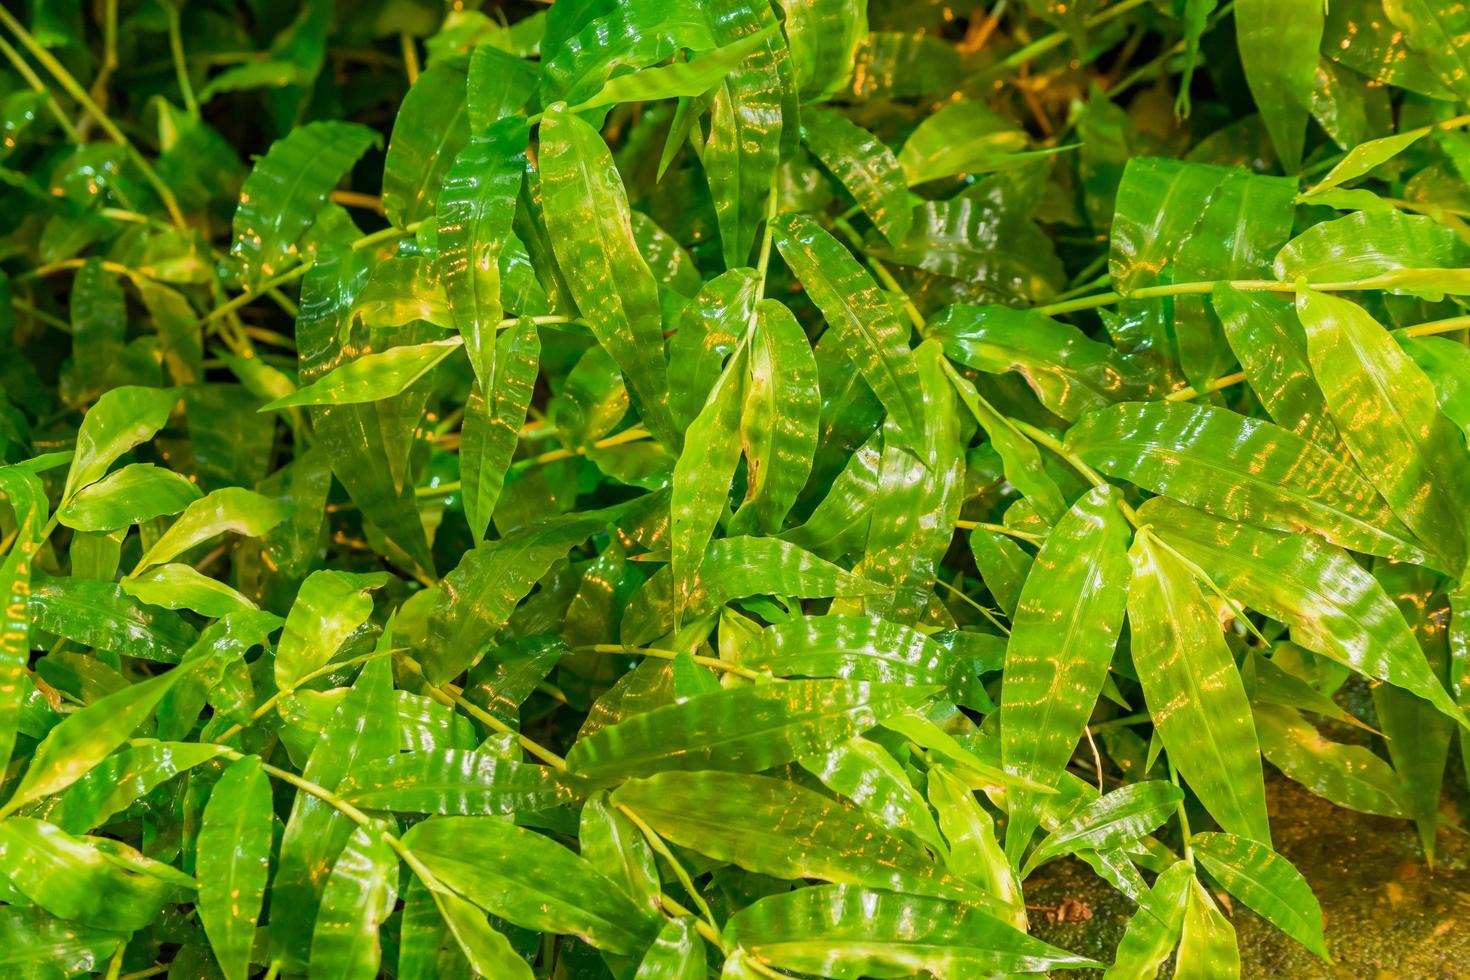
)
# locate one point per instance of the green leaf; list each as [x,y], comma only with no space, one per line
[492,425]
[176,586]
[243,512]
[72,878]
[1386,410]
[118,781]
[1194,690]
[1333,606]
[744,729]
[284,192]
[679,79]
[1155,928]
[32,941]
[530,880]
[1350,776]
[866,168]
[962,137]
[677,954]
[776,828]
[1272,348]
[103,616]
[587,218]
[779,420]
[869,776]
[487,949]
[752,125]
[1241,468]
[849,932]
[1278,50]
[121,419]
[1438,32]
[474,225]
[703,474]
[1362,158]
[824,36]
[134,494]
[1266,882]
[86,737]
[863,321]
[27,498]
[1069,373]
[1062,638]
[329,607]
[233,864]
[362,890]
[430,129]
[1114,820]
[452,782]
[974,851]
[619,849]
[371,377]
[363,726]
[1021,459]
[1207,946]
[1410,254]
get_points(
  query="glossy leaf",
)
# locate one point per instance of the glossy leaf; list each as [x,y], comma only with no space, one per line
[776,828]
[234,863]
[134,494]
[1265,881]
[1062,637]
[529,879]
[589,227]
[452,782]
[120,420]
[371,377]
[286,189]
[328,608]
[866,168]
[849,932]
[1386,410]
[1278,50]
[1194,690]
[865,323]
[777,722]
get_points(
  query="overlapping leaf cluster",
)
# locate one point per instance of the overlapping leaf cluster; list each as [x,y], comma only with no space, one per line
[674,488]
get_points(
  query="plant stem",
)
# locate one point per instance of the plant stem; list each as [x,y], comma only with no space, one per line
[711,662]
[75,90]
[1026,536]
[1052,41]
[34,81]
[181,65]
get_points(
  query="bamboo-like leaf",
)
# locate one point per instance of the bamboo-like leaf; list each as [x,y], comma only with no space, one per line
[1119,818]
[134,494]
[1278,50]
[84,738]
[779,420]
[178,586]
[1332,605]
[1194,690]
[1349,775]
[451,782]
[845,931]
[587,218]
[824,36]
[287,188]
[777,828]
[1241,468]
[121,419]
[677,954]
[371,377]
[743,729]
[1207,946]
[529,880]
[234,863]
[862,320]
[1410,254]
[1265,881]
[1438,32]
[703,474]
[475,212]
[360,893]
[974,851]
[431,127]
[1154,930]
[869,776]
[1062,638]
[1385,409]
[231,509]
[866,167]
[328,608]
[492,424]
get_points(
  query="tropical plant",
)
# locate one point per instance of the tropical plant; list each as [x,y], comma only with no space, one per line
[665,488]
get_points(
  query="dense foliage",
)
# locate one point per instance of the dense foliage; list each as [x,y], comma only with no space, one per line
[666,488]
